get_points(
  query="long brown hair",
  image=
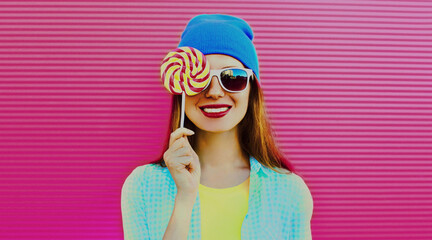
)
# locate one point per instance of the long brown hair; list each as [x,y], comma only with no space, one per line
[256,135]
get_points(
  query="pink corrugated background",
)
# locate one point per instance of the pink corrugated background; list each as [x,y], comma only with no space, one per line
[348,86]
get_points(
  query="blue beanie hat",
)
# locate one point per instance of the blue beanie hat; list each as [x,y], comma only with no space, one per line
[222,34]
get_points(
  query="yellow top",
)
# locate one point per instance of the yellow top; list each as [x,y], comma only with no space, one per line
[223,211]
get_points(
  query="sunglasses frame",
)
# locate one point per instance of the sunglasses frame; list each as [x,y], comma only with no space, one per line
[218,72]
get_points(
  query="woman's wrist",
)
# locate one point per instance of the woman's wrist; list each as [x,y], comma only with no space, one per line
[186,198]
[178,226]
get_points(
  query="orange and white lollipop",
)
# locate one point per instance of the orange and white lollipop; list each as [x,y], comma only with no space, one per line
[185,71]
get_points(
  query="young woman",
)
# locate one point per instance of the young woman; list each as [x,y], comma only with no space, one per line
[222,176]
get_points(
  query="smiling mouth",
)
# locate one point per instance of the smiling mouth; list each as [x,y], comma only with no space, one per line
[215,110]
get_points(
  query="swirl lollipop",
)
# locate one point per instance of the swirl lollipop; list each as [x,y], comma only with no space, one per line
[185,71]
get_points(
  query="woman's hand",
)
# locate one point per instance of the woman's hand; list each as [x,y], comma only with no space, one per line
[182,162]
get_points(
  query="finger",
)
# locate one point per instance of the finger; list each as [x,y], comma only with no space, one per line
[179,143]
[184,151]
[182,162]
[195,160]
[177,162]
[187,143]
[179,132]
[188,163]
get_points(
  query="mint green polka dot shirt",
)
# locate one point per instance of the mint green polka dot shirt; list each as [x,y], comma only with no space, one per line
[280,206]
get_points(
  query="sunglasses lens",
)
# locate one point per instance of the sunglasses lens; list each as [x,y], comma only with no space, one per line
[234,79]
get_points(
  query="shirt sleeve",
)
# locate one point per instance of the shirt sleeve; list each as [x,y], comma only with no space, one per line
[133,208]
[302,215]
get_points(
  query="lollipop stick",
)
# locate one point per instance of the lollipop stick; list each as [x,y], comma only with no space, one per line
[182,110]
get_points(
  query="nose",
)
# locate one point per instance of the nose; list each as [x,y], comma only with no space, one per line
[214,90]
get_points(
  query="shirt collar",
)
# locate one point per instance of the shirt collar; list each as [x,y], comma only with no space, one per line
[256,166]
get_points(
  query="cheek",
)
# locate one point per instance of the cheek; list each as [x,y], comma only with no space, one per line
[242,102]
[190,103]
[245,99]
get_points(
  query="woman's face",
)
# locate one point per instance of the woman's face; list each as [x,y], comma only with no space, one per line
[215,94]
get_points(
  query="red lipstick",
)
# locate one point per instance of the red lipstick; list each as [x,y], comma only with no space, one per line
[215,114]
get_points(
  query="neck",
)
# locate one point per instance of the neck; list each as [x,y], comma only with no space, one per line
[220,150]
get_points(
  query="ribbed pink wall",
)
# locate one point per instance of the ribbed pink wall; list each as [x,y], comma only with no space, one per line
[348,86]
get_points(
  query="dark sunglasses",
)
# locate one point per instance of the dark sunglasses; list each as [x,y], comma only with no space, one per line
[232,79]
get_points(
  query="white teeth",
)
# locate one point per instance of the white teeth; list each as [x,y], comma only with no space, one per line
[215,110]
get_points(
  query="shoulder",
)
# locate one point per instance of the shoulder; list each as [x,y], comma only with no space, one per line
[296,183]
[289,181]
[292,188]
[142,177]
[299,191]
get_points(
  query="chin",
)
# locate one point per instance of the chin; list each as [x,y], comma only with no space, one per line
[216,128]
